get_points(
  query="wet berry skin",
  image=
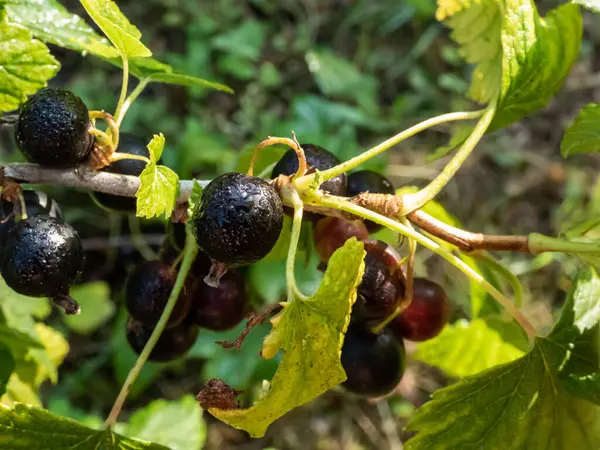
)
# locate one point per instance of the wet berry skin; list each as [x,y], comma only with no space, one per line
[147,291]
[379,291]
[238,220]
[42,257]
[330,234]
[374,363]
[36,203]
[134,145]
[173,343]
[316,158]
[52,129]
[426,315]
[369,181]
[220,308]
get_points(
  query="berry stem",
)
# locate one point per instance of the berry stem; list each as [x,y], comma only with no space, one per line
[305,181]
[290,278]
[123,96]
[411,202]
[112,126]
[510,277]
[190,251]
[343,204]
[292,143]
[116,156]
[132,98]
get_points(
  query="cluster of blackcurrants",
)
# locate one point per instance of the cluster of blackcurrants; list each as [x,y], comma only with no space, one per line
[237,222]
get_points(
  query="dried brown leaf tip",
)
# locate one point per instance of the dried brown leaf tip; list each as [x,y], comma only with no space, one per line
[218,394]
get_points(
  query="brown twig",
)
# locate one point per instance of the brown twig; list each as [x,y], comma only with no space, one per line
[253,321]
[466,240]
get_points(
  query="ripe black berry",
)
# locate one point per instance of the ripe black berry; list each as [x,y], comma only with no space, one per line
[379,291]
[42,257]
[219,308]
[132,145]
[330,234]
[36,203]
[147,291]
[172,343]
[52,129]
[238,220]
[374,363]
[426,315]
[316,158]
[369,181]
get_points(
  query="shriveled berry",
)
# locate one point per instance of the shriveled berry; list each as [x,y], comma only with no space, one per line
[52,129]
[42,257]
[426,315]
[133,145]
[238,219]
[330,234]
[36,203]
[374,363]
[369,181]
[147,291]
[219,308]
[173,343]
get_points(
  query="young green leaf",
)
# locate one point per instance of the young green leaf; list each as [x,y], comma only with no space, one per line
[311,334]
[466,348]
[538,54]
[50,22]
[175,424]
[159,186]
[25,65]
[110,19]
[583,136]
[523,402]
[29,427]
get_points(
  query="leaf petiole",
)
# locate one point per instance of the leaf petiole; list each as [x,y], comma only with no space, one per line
[124,85]
[132,98]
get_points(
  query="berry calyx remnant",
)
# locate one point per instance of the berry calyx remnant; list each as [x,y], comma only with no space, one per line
[52,129]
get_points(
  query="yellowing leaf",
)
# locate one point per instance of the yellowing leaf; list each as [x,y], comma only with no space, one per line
[310,332]
[56,347]
[25,65]
[159,188]
[110,19]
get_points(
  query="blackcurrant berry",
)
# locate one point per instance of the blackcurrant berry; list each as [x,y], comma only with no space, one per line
[426,315]
[36,203]
[238,219]
[147,291]
[52,129]
[132,145]
[330,234]
[172,343]
[316,158]
[42,257]
[369,181]
[379,291]
[174,244]
[219,308]
[374,363]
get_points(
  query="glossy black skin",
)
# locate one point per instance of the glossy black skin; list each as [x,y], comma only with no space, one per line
[374,364]
[36,203]
[316,158]
[42,257]
[147,291]
[133,145]
[238,220]
[379,292]
[52,129]
[220,308]
[172,343]
[369,181]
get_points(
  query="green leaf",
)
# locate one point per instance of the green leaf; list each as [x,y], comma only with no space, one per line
[31,428]
[584,386]
[17,342]
[25,65]
[523,402]
[476,28]
[538,54]
[187,80]
[96,307]
[50,22]
[174,424]
[310,332]
[159,186]
[592,5]
[110,19]
[244,41]
[195,196]
[583,136]
[466,348]
[7,365]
